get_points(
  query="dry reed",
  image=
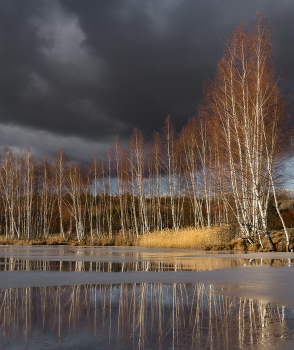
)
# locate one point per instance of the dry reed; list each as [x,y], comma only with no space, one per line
[56,239]
[187,238]
[214,238]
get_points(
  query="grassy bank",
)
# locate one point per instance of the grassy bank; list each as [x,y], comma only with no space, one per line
[57,240]
[189,238]
[214,238]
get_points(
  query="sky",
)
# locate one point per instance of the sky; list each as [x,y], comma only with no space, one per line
[74,74]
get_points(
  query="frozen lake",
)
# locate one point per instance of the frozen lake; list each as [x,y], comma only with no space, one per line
[67,297]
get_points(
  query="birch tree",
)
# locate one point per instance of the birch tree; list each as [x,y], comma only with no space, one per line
[172,167]
[75,187]
[60,168]
[243,99]
[137,169]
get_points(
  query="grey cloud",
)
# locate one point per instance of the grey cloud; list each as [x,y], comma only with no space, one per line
[84,71]
[42,142]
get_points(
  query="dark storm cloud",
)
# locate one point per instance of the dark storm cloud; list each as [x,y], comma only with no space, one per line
[81,72]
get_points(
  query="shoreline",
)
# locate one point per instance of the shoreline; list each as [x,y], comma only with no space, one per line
[209,239]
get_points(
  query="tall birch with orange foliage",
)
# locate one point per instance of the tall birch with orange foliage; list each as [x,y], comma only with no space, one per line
[247,107]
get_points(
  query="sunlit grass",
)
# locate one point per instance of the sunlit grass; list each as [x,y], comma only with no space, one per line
[56,239]
[213,238]
[186,238]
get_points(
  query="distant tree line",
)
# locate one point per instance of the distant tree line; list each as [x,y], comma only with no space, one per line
[132,191]
[221,168]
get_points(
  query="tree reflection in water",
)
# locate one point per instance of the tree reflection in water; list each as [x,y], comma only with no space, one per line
[141,316]
[17,264]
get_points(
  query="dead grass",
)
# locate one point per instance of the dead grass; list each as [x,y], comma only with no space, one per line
[214,238]
[56,239]
[187,238]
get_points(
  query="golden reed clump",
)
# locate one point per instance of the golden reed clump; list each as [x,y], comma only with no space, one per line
[185,238]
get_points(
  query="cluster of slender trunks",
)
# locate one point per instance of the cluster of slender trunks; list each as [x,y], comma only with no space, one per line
[220,169]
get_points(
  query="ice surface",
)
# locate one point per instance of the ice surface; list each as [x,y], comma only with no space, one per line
[270,283]
[261,283]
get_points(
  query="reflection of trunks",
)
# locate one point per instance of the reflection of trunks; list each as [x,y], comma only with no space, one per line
[140,316]
[200,264]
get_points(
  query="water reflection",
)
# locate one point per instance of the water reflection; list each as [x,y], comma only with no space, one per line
[139,316]
[197,264]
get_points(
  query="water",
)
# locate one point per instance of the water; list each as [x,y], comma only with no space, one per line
[132,298]
[16,264]
[145,316]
